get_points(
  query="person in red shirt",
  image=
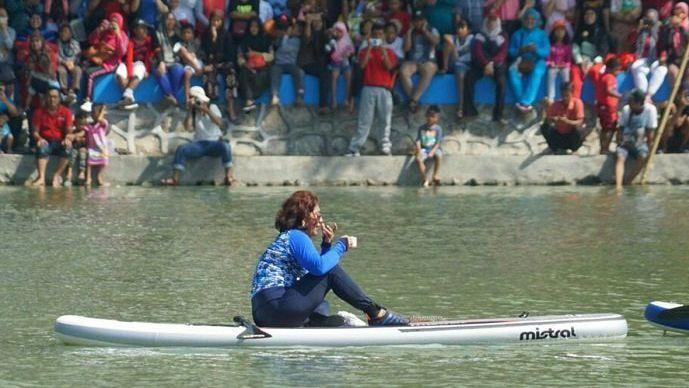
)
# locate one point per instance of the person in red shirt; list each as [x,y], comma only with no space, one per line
[563,128]
[397,12]
[378,64]
[51,124]
[607,99]
[137,64]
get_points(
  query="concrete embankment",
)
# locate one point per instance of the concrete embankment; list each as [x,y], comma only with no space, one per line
[369,170]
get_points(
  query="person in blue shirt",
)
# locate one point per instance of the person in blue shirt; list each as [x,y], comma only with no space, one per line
[428,140]
[10,123]
[292,278]
[529,47]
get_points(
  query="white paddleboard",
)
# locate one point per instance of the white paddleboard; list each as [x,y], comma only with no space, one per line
[79,330]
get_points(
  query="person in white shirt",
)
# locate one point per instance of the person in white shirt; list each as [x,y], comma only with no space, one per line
[636,125]
[182,12]
[206,121]
[393,41]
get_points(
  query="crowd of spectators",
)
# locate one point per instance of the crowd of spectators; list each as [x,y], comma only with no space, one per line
[241,49]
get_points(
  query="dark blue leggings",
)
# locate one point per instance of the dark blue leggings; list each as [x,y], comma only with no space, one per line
[292,307]
[171,81]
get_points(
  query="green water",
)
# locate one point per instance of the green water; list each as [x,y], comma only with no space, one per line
[187,255]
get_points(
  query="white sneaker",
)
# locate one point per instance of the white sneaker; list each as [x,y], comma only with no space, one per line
[87,106]
[352,154]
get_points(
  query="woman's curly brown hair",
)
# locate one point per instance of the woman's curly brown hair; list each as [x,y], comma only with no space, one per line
[295,210]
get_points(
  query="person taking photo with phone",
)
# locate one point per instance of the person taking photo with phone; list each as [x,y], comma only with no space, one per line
[206,121]
[378,64]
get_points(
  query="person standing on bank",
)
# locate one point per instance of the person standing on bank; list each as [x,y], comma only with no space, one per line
[206,121]
[292,278]
[378,64]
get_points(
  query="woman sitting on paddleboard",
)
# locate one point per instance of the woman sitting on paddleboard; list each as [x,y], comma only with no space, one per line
[292,278]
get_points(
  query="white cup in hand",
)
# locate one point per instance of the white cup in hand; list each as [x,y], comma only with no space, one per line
[351,241]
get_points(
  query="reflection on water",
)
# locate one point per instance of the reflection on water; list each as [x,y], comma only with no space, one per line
[187,254]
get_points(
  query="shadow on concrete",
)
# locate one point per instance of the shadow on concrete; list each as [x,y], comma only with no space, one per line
[533,158]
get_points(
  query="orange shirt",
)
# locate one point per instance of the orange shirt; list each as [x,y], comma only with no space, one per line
[573,111]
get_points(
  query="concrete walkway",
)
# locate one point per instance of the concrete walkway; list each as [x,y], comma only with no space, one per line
[369,170]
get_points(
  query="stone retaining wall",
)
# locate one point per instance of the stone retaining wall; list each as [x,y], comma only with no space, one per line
[370,170]
[152,130]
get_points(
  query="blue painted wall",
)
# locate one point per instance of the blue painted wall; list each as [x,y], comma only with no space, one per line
[442,90]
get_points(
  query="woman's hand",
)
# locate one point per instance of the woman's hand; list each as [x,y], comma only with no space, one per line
[328,232]
[351,241]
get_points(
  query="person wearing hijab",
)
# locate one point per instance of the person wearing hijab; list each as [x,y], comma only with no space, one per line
[624,18]
[488,56]
[674,38]
[256,53]
[591,45]
[529,47]
[219,57]
[169,71]
[40,70]
[313,58]
[109,44]
[287,45]
[681,11]
[341,50]
[648,56]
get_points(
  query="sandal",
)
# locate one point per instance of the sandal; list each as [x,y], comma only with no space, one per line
[413,106]
[229,182]
[249,107]
[169,182]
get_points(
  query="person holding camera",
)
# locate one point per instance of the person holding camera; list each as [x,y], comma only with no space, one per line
[529,47]
[108,44]
[419,45]
[378,64]
[206,121]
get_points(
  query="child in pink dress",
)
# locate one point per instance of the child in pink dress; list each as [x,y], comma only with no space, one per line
[560,60]
[97,145]
[341,49]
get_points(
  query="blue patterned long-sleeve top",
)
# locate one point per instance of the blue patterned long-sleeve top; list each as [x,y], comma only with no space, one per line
[291,256]
[523,37]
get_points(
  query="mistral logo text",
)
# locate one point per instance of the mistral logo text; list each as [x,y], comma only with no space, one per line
[545,334]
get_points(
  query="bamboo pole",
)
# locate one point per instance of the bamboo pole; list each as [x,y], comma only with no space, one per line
[666,115]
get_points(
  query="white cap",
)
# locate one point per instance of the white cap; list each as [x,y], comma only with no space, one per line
[198,93]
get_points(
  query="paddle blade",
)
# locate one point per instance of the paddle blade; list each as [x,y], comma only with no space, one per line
[681,312]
